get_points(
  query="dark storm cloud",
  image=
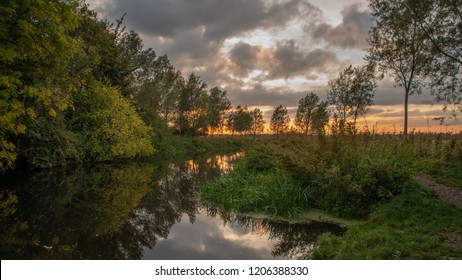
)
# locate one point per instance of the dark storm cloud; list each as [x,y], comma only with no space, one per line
[244,56]
[351,33]
[290,60]
[219,19]
[191,44]
[197,29]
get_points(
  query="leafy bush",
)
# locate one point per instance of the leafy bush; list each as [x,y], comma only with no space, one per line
[109,125]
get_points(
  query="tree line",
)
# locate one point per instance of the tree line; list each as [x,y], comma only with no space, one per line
[77,88]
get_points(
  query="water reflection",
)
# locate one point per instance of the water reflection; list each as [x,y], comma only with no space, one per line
[288,240]
[134,211]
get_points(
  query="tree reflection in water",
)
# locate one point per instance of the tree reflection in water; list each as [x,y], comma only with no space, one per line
[293,240]
[117,211]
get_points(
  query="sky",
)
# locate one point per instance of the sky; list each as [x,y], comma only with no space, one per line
[266,53]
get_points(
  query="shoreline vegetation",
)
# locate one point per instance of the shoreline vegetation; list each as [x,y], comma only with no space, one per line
[364,181]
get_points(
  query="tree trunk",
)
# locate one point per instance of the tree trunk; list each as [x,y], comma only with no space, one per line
[406,113]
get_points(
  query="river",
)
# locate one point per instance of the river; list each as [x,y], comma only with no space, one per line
[148,210]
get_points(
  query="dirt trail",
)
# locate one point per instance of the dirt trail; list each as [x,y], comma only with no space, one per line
[445,193]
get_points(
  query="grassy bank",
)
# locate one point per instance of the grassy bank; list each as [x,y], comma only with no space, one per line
[411,226]
[363,177]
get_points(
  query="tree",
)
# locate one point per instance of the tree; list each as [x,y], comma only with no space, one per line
[217,106]
[159,92]
[191,112]
[258,123]
[441,22]
[35,80]
[320,118]
[306,107]
[128,63]
[280,120]
[398,46]
[240,120]
[352,92]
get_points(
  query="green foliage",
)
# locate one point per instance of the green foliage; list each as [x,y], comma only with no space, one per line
[280,120]
[445,164]
[240,120]
[34,54]
[109,125]
[218,104]
[320,118]
[159,93]
[48,143]
[441,21]
[415,225]
[352,93]
[306,107]
[258,159]
[399,47]
[312,116]
[191,110]
[258,123]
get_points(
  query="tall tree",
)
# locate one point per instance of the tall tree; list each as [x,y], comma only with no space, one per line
[258,123]
[129,62]
[217,106]
[320,118]
[280,120]
[306,107]
[191,112]
[398,46]
[158,94]
[352,92]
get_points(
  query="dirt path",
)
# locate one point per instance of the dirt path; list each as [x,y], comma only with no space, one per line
[445,193]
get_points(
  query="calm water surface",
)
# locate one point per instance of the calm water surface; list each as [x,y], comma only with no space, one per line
[137,211]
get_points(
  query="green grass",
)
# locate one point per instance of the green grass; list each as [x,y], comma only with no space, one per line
[411,226]
[449,174]
[272,193]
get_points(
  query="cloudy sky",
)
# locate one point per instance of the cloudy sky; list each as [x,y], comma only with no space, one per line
[269,52]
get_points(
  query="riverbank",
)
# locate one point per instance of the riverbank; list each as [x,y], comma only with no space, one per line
[362,177]
[411,226]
